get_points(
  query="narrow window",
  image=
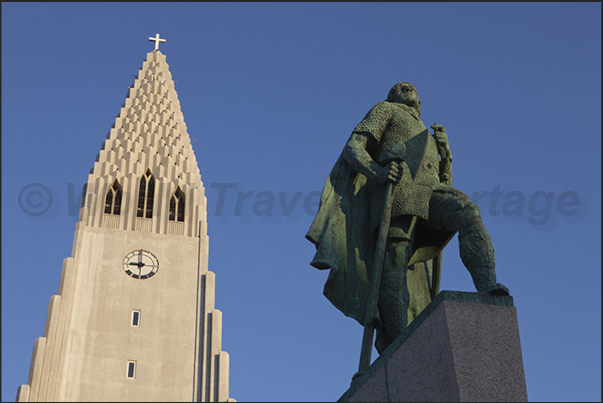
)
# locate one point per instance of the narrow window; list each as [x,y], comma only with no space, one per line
[150,195]
[135,318]
[145,195]
[180,214]
[109,202]
[177,206]
[113,199]
[131,372]
[141,197]
[117,200]
[172,216]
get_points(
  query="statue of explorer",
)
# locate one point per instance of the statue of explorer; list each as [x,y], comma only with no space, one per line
[425,212]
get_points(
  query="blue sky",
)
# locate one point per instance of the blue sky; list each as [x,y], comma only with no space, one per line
[270,93]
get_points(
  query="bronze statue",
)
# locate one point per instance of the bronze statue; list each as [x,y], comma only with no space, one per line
[392,145]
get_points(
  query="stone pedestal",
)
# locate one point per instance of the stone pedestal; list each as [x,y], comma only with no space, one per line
[463,347]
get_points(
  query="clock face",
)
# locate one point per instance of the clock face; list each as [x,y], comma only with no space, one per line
[140,264]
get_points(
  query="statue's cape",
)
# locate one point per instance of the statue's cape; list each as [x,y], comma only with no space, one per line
[345,242]
[341,233]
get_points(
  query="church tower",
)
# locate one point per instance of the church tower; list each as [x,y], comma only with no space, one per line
[134,318]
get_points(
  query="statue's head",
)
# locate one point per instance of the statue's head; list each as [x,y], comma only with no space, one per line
[405,93]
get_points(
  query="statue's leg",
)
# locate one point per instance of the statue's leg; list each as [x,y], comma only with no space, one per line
[451,209]
[394,297]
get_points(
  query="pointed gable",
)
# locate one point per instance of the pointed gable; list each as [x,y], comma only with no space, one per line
[148,134]
[150,127]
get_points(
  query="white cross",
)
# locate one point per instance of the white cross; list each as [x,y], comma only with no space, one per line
[156,40]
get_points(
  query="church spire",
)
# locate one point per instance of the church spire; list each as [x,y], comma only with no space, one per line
[149,134]
[135,317]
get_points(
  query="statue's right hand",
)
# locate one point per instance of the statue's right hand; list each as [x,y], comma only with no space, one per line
[392,172]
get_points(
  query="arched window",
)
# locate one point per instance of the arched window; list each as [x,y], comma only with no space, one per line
[145,195]
[113,199]
[177,206]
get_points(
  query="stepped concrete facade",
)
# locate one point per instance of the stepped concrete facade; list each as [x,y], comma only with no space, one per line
[134,317]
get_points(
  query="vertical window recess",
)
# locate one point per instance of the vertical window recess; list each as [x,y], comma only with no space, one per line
[113,199]
[145,195]
[131,370]
[135,318]
[177,206]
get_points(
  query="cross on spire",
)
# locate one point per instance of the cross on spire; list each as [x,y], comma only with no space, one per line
[156,39]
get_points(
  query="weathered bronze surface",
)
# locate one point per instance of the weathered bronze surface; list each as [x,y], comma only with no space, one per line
[425,213]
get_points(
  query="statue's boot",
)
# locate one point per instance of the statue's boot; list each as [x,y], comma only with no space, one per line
[477,252]
[452,210]
[394,314]
[393,293]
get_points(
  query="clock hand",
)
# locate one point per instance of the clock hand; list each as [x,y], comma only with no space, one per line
[140,264]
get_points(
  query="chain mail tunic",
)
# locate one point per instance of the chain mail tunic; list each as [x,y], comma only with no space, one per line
[389,123]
